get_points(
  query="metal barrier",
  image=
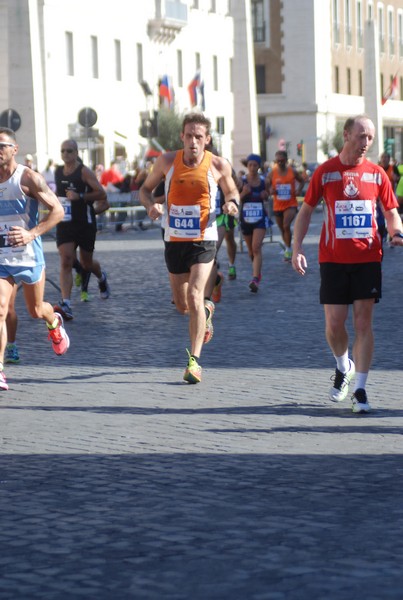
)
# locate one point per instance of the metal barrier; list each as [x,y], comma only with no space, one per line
[124,209]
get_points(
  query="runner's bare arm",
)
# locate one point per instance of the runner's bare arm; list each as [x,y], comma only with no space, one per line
[35,186]
[161,166]
[96,195]
[394,225]
[300,230]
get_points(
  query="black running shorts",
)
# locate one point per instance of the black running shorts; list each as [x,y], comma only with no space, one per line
[180,256]
[80,234]
[344,283]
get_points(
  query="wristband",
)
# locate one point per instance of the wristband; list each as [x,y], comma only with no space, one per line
[236,203]
[398,235]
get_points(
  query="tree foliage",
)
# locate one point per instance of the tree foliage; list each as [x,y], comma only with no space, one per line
[169,129]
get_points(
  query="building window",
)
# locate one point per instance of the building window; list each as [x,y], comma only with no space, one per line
[401,88]
[195,4]
[118,60]
[382,86]
[370,11]
[360,88]
[180,68]
[381,28]
[348,25]
[258,23]
[69,53]
[198,61]
[336,22]
[391,31]
[349,81]
[400,33]
[140,74]
[231,75]
[260,79]
[336,80]
[213,7]
[360,26]
[94,56]
[215,73]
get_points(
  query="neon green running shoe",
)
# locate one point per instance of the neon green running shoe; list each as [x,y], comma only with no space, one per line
[85,297]
[78,280]
[232,273]
[193,370]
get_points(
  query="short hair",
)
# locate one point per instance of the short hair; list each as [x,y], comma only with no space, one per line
[351,121]
[282,153]
[198,119]
[9,132]
[72,142]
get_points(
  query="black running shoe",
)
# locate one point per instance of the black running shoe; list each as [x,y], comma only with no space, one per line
[104,290]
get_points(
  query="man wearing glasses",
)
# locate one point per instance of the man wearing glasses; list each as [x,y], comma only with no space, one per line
[21,253]
[82,197]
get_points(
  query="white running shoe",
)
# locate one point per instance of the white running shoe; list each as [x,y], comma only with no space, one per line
[360,402]
[339,391]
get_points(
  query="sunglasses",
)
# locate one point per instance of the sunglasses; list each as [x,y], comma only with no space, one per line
[68,150]
[6,144]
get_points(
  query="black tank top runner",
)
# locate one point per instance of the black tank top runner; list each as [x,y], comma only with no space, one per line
[81,212]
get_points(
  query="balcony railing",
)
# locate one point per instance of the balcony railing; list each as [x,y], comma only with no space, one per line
[170,17]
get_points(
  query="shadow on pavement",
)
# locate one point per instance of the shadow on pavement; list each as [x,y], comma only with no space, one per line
[201,526]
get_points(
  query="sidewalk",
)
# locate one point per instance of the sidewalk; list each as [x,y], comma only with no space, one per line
[119,481]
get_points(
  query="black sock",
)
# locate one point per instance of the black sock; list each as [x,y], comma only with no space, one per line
[195,357]
[85,279]
[77,266]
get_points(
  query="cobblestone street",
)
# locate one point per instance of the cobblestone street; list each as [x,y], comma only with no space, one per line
[118,480]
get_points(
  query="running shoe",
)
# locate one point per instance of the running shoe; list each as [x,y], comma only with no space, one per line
[341,382]
[254,285]
[210,308]
[216,295]
[85,297]
[360,402]
[193,370]
[104,290]
[287,255]
[232,273]
[64,309]
[12,355]
[58,336]
[78,280]
[3,381]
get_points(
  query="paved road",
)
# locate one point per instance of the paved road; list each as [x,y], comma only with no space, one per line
[118,480]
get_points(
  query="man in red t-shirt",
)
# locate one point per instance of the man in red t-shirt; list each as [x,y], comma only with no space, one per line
[350,251]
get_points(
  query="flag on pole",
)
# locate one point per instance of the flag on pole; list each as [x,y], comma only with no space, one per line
[166,91]
[391,92]
[196,91]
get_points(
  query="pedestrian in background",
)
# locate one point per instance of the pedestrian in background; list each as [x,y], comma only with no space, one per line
[253,218]
[285,184]
[83,197]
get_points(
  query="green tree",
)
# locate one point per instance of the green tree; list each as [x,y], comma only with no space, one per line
[338,138]
[169,129]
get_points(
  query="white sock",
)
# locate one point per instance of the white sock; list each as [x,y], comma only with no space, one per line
[343,363]
[360,381]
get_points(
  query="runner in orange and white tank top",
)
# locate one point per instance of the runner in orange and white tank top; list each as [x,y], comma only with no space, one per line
[191,179]
[285,185]
[191,201]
